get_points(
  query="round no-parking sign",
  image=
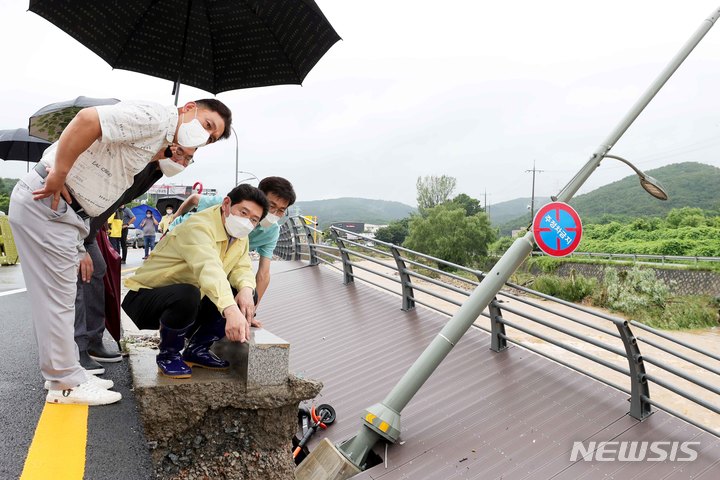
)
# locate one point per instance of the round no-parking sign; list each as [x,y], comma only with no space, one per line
[557,229]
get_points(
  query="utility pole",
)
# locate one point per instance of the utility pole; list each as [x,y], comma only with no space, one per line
[487,208]
[532,199]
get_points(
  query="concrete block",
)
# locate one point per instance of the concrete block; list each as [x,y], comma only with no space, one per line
[263,361]
[268,359]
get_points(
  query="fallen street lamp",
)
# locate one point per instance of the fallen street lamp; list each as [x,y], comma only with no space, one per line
[382,420]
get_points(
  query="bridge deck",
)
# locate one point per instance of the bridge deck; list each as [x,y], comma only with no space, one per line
[510,415]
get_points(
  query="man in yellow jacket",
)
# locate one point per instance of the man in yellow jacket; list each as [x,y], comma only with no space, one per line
[199,281]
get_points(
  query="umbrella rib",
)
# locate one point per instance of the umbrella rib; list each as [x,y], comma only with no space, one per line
[297,75]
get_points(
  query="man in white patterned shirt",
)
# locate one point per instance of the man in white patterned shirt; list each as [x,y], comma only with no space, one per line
[80,176]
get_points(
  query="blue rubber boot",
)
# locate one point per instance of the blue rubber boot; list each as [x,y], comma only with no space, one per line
[169,361]
[198,354]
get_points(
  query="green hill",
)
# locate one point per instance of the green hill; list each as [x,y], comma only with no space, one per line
[689,184]
[379,212]
[503,212]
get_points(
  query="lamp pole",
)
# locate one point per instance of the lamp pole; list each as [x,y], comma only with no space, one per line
[236,154]
[382,420]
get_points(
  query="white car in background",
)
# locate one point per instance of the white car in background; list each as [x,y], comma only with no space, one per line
[135,238]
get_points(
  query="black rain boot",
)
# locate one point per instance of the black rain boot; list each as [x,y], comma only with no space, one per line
[169,361]
[198,354]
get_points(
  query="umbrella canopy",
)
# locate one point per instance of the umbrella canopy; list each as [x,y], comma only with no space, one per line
[49,122]
[216,45]
[19,145]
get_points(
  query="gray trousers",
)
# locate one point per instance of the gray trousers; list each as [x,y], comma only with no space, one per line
[90,302]
[47,242]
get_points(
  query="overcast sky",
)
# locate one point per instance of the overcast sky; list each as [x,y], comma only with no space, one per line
[473,89]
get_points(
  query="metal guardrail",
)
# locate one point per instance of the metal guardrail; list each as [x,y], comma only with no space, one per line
[637,257]
[613,345]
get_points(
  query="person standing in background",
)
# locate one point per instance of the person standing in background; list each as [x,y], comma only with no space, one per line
[166,219]
[148,227]
[128,218]
[115,230]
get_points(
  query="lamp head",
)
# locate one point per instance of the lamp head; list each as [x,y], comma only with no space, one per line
[653,187]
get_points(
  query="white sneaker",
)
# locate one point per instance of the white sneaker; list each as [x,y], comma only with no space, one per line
[99,382]
[84,394]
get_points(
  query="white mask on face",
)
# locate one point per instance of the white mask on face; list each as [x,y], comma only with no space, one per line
[192,134]
[170,168]
[269,220]
[238,227]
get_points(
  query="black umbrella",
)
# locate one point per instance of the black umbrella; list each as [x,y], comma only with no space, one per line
[18,145]
[215,45]
[49,122]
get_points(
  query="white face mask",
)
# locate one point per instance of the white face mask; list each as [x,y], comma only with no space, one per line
[238,227]
[170,168]
[269,220]
[192,134]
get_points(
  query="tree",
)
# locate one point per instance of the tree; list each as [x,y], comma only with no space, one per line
[433,190]
[7,184]
[447,233]
[471,205]
[4,203]
[395,232]
[501,245]
[675,217]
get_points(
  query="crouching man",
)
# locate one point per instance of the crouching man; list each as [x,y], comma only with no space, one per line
[187,288]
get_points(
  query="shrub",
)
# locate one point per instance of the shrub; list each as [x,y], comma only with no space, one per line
[631,291]
[687,312]
[573,289]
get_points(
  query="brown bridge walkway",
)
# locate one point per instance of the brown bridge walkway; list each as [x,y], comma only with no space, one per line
[482,415]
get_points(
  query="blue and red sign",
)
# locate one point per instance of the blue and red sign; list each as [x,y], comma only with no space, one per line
[557,229]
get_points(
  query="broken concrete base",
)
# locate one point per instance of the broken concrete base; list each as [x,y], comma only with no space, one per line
[325,462]
[214,425]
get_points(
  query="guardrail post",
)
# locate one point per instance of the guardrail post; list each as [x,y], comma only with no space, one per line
[498,342]
[311,245]
[281,249]
[408,297]
[295,239]
[348,276]
[639,390]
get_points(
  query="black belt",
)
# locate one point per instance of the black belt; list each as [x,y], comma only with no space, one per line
[41,170]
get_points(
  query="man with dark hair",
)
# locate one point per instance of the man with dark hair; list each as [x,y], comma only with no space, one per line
[263,239]
[79,177]
[213,105]
[199,281]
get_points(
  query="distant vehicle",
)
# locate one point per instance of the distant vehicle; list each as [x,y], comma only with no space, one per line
[135,238]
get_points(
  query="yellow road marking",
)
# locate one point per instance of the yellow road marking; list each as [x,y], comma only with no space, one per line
[58,447]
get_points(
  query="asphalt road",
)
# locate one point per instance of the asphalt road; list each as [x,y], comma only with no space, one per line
[116,446]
